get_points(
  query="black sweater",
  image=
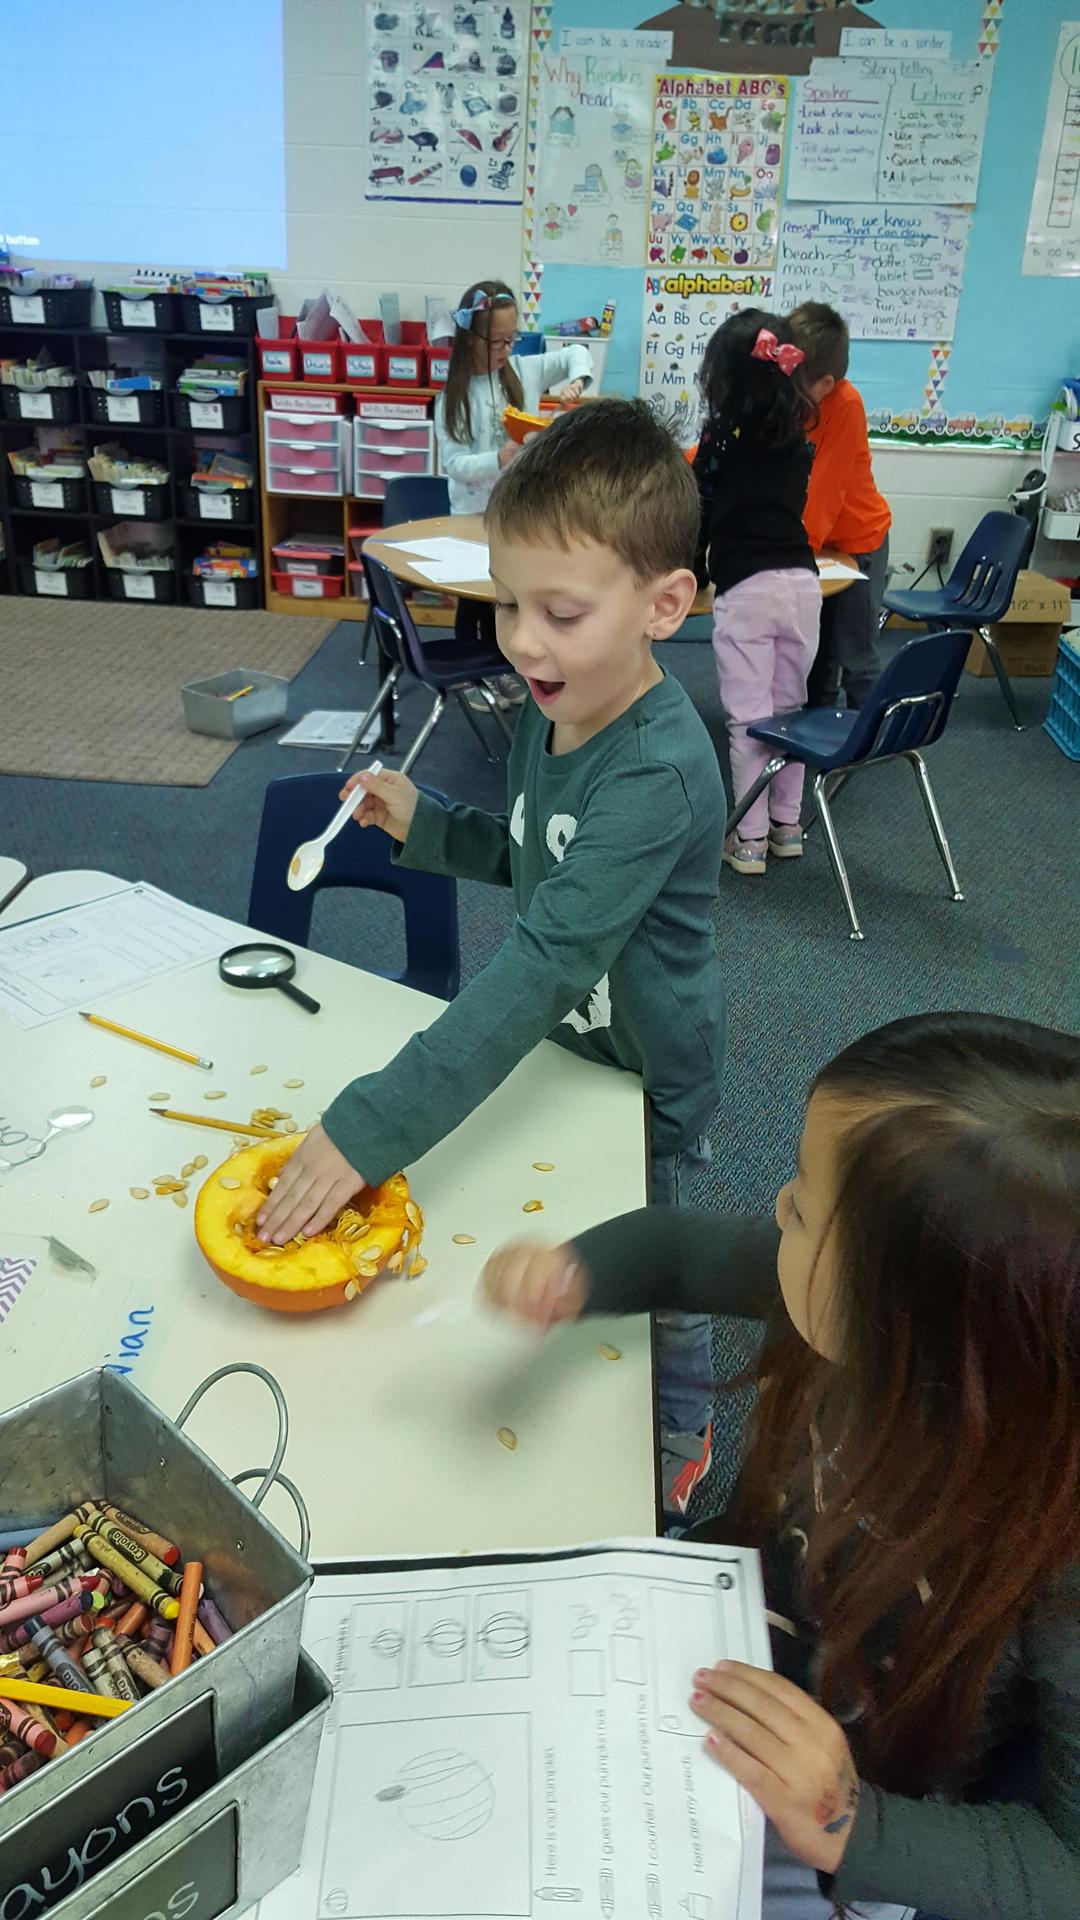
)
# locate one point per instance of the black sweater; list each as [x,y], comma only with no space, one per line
[752,500]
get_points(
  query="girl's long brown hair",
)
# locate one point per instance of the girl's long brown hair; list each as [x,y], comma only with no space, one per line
[458,414]
[950,1430]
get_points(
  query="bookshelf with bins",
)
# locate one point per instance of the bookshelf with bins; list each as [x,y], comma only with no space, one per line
[328,450]
[157,424]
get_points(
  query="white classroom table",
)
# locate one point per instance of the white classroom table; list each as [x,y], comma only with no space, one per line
[394,1416]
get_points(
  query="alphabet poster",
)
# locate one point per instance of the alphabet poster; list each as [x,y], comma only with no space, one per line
[1053,236]
[895,273]
[682,311]
[595,131]
[718,155]
[446,102]
[899,129]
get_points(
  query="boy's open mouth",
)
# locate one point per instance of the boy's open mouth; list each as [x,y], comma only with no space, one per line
[544,691]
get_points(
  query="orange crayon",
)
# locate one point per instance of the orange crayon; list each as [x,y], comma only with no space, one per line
[190,1590]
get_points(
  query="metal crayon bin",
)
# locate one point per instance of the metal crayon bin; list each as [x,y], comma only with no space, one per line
[270,1793]
[98,1434]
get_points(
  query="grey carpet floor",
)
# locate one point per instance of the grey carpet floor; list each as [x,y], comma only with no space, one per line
[798,988]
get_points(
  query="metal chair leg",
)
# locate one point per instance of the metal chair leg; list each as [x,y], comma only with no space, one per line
[372,713]
[840,780]
[459,695]
[742,807]
[835,855]
[365,638]
[486,694]
[425,733]
[1003,680]
[936,826]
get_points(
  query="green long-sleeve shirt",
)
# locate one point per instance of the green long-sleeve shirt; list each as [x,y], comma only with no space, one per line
[977,1860]
[612,852]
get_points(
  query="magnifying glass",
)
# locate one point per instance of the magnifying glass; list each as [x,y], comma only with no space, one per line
[263,965]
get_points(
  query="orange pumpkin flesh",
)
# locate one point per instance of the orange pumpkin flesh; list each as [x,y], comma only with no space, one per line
[519,424]
[378,1231]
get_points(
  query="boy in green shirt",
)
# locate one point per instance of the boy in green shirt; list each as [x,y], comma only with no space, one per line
[610,842]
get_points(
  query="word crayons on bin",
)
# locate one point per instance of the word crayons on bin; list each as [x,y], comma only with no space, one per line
[95,1613]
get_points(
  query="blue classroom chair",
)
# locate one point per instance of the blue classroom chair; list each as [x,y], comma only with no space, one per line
[416,496]
[905,713]
[297,808]
[978,591]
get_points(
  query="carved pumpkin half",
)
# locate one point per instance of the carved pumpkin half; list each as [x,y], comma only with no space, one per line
[376,1232]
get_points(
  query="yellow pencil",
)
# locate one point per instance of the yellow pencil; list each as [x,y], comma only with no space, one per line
[224,1126]
[32,1694]
[240,692]
[144,1040]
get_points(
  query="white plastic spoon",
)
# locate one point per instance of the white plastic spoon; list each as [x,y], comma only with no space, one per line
[64,1120]
[307,862]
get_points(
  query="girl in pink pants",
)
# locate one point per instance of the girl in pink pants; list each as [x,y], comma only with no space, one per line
[752,467]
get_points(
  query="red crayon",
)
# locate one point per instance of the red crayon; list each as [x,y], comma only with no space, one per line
[15,1586]
[26,1729]
[14,1560]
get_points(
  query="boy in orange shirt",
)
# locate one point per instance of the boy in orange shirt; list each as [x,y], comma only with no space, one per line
[843,509]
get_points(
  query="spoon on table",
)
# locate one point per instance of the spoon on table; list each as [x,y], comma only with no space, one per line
[307,862]
[64,1120]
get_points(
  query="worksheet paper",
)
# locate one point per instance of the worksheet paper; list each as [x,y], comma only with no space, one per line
[329,727]
[836,570]
[76,958]
[445,559]
[514,1739]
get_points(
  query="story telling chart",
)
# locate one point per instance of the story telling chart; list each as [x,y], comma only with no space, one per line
[682,310]
[595,125]
[890,129]
[717,160]
[446,100]
[895,273]
[1053,236]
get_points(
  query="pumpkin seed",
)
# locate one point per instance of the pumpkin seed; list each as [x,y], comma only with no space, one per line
[227,1180]
[464,1239]
[609,1353]
[258,1069]
[292,1083]
[97,1206]
[169,1185]
[506,1437]
[272,1182]
[187,1170]
[238,1226]
[533,1206]
[413,1215]
[543,1166]
[199,1160]
[351,1290]
[179,1199]
[159,1096]
[159,1177]
[367,1272]
[98,1080]
[138,1193]
[395,1263]
[418,1267]
[289,1126]
[217,1093]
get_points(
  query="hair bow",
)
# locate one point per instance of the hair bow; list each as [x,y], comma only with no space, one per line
[768,347]
[463,316]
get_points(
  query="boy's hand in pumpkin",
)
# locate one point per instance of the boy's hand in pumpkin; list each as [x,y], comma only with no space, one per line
[313,1186]
[537,1284]
[787,1752]
[387,800]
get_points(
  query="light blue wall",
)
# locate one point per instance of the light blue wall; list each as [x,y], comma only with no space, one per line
[1016,337]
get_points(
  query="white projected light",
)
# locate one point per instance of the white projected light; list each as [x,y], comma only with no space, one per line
[143,131]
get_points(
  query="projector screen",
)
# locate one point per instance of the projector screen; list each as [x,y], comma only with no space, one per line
[149,132]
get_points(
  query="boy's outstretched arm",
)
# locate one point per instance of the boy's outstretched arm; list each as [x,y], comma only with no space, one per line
[465,842]
[578,921]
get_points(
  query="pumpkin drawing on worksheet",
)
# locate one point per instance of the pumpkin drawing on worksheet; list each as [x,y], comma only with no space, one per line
[443,1795]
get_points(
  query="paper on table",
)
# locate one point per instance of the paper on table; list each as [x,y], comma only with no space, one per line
[61,961]
[836,570]
[328,727]
[450,558]
[492,1724]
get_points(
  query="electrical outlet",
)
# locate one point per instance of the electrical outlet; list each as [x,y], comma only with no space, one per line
[939,546]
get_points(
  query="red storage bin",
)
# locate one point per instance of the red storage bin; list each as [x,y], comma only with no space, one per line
[307,586]
[287,479]
[395,435]
[398,366]
[404,365]
[279,356]
[320,360]
[313,459]
[392,461]
[290,428]
[438,364]
[361,363]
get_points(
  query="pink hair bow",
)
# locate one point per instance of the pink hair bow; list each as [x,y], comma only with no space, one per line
[767,347]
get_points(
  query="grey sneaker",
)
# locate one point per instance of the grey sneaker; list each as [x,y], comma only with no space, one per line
[786,842]
[745,856]
[685,1459]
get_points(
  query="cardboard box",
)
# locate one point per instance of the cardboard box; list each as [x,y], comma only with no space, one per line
[1027,635]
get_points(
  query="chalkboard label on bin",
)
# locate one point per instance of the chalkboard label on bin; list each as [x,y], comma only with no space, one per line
[197,1878]
[81,1832]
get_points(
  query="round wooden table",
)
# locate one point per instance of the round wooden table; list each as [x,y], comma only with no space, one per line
[470,526]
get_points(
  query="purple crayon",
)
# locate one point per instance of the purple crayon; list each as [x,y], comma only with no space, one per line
[214,1621]
[69,1609]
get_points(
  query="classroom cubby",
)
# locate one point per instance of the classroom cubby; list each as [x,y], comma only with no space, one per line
[160,425]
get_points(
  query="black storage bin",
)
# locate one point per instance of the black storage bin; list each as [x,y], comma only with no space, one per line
[162,584]
[52,307]
[223,593]
[132,501]
[61,404]
[146,409]
[78,582]
[232,506]
[142,312]
[228,415]
[235,316]
[49,496]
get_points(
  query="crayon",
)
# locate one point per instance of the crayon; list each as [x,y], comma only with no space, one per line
[145,1667]
[158,1637]
[20,1724]
[200,1639]
[14,1540]
[16,1586]
[70,1558]
[77,1731]
[41,1600]
[20,1770]
[154,1542]
[143,1587]
[185,1623]
[133,1621]
[214,1621]
[42,1715]
[62,1665]
[123,1685]
[97,1673]
[53,1537]
[94,1704]
[9,1750]
[139,1556]
[69,1609]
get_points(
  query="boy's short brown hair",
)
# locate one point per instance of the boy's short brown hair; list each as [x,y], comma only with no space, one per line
[610,472]
[822,333]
